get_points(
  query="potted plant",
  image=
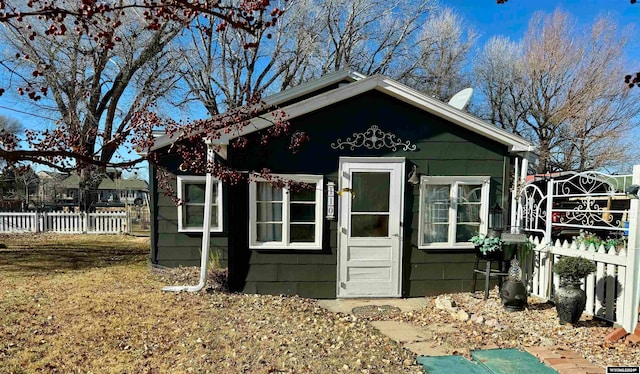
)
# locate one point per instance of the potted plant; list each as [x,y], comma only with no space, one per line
[487,247]
[569,298]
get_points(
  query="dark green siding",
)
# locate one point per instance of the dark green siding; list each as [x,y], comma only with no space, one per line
[309,273]
[442,149]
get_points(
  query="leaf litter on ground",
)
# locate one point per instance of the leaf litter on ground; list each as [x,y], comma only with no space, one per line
[103,315]
[82,303]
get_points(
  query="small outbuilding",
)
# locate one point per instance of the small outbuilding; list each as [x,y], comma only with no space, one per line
[399,183]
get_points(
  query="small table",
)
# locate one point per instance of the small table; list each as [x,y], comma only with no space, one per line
[488,272]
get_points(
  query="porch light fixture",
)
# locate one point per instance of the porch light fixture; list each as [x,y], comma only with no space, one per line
[413,176]
[495,218]
[632,191]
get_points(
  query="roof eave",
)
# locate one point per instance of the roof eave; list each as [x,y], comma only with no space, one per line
[279,98]
[514,143]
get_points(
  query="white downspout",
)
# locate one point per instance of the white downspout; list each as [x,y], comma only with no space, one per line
[524,168]
[206,232]
[515,200]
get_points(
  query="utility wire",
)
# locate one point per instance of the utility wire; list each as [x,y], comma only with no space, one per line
[27,113]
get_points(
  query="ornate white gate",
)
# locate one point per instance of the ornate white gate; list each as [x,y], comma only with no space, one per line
[556,212]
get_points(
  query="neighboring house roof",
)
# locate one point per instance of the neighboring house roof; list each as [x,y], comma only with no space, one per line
[73,180]
[49,175]
[360,85]
[123,184]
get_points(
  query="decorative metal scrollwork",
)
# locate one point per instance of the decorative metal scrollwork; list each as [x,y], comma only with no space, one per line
[534,208]
[374,138]
[589,182]
[589,213]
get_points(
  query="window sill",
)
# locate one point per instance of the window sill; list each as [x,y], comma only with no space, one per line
[217,229]
[312,247]
[447,246]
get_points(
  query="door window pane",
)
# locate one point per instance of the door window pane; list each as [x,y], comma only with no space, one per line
[369,225]
[370,191]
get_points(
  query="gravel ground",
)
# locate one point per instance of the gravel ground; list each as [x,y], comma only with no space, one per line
[484,324]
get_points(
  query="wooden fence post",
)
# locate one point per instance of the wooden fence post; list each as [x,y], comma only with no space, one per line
[84,222]
[631,286]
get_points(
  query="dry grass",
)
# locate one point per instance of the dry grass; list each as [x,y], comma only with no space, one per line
[90,304]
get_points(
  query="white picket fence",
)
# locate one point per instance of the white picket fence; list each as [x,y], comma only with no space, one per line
[65,222]
[608,289]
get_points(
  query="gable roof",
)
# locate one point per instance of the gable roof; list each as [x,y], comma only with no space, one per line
[289,94]
[361,84]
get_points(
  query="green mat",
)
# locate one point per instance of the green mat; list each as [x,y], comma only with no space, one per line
[449,365]
[509,361]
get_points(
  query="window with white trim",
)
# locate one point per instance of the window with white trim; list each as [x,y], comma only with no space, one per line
[452,210]
[286,218]
[191,192]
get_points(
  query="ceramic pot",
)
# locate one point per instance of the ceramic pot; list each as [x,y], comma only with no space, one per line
[506,253]
[489,256]
[570,301]
[513,295]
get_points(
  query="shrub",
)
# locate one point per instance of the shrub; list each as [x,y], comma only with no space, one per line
[573,269]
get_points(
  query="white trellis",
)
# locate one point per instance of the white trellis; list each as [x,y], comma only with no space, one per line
[613,291]
[65,222]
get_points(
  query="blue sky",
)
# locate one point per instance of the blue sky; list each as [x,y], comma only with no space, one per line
[512,18]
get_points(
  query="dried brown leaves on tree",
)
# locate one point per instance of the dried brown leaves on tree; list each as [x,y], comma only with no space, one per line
[560,88]
[93,66]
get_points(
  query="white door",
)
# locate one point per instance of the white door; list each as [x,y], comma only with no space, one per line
[370,227]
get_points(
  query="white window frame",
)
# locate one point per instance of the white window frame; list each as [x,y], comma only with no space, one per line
[182,180]
[453,181]
[318,180]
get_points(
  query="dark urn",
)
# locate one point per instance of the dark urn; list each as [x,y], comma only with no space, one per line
[514,295]
[570,301]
